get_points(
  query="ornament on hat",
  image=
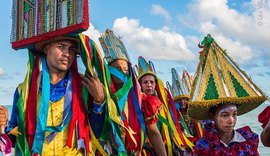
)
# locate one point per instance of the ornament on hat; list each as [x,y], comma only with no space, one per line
[144,68]
[43,20]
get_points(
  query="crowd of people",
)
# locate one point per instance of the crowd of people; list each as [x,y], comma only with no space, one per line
[115,108]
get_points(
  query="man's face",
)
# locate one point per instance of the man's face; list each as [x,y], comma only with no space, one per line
[60,55]
[148,84]
[225,118]
[122,65]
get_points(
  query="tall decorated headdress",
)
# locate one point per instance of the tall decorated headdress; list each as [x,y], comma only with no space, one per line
[144,68]
[219,81]
[35,21]
[113,47]
[126,100]
[181,87]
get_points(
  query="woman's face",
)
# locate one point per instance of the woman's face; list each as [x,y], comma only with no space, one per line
[148,84]
[225,118]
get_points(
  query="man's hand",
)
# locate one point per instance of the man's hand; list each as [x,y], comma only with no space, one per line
[94,87]
[3,118]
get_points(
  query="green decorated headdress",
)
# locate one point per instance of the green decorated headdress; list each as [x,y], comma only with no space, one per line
[180,88]
[220,81]
[113,47]
[144,68]
[36,21]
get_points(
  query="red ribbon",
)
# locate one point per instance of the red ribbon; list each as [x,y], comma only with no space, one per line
[31,108]
[264,116]
[79,113]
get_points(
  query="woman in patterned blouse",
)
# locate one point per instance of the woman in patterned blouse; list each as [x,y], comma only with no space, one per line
[220,138]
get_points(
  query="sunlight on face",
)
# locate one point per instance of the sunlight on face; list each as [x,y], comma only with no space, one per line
[148,84]
[60,55]
[225,118]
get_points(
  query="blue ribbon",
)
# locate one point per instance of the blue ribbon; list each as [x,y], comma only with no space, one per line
[123,77]
[121,147]
[138,112]
[117,73]
[43,111]
[66,115]
[173,117]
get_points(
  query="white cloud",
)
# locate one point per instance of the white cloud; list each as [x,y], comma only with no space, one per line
[153,44]
[159,10]
[235,48]
[239,52]
[2,73]
[240,33]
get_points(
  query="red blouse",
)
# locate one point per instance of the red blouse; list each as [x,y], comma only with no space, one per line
[150,106]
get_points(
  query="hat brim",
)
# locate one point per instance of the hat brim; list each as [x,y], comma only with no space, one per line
[200,109]
[111,60]
[146,73]
[40,46]
[184,96]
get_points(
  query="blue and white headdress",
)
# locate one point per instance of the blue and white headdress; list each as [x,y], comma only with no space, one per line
[113,47]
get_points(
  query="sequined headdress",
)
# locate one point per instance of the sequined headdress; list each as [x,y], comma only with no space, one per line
[220,81]
[35,21]
[144,67]
[113,47]
[180,88]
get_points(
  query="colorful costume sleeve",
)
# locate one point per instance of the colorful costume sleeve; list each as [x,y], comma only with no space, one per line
[150,107]
[13,118]
[201,147]
[96,118]
[250,147]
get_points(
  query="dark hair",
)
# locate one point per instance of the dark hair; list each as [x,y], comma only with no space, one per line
[214,109]
[140,80]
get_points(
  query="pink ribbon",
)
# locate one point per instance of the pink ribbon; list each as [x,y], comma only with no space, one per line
[5,145]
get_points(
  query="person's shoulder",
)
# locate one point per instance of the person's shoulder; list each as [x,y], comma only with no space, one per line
[151,99]
[202,143]
[202,140]
[247,133]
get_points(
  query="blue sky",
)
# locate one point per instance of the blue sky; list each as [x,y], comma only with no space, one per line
[165,32]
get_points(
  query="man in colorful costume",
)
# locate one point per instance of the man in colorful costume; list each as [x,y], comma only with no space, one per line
[124,115]
[49,114]
[221,91]
[180,90]
[170,129]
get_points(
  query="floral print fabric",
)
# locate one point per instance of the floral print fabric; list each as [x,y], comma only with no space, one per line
[210,143]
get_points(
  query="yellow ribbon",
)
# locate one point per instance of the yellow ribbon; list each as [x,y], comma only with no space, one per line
[113,113]
[176,135]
